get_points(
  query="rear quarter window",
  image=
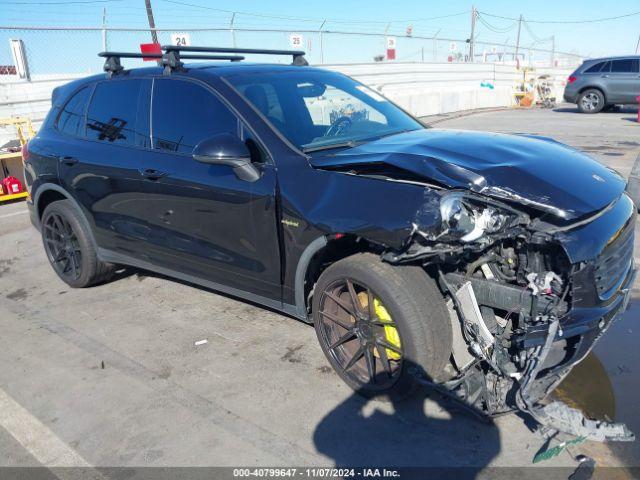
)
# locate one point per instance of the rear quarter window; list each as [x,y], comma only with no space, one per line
[595,68]
[71,118]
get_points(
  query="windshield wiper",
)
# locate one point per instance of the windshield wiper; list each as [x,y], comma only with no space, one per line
[353,143]
[329,146]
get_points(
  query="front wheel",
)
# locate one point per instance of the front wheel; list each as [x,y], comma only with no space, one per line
[381,326]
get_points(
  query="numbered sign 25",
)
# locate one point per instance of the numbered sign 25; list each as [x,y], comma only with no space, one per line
[295,40]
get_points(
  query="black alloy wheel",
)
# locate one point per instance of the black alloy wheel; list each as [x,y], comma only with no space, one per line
[62,246]
[359,334]
[70,247]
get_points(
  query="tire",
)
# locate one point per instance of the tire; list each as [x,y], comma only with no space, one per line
[69,246]
[591,101]
[415,306]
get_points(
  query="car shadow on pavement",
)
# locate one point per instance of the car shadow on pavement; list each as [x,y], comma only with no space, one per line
[425,430]
[616,110]
[141,275]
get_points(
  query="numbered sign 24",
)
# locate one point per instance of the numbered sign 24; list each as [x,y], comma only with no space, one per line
[181,39]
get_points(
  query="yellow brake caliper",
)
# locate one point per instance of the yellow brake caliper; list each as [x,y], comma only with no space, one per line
[390,332]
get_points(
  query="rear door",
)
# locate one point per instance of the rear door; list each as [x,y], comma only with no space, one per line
[203,220]
[100,168]
[622,80]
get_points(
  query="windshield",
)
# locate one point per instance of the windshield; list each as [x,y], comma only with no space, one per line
[317,109]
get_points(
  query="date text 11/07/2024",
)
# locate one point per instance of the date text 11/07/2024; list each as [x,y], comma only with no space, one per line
[316,472]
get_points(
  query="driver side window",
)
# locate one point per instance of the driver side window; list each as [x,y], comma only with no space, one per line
[185,113]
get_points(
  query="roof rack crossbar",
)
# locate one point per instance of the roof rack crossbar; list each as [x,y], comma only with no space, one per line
[159,56]
[173,55]
[113,66]
[298,55]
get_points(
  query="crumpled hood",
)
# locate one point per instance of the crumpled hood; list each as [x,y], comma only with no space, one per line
[535,171]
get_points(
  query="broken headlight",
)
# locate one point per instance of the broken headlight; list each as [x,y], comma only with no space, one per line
[470,220]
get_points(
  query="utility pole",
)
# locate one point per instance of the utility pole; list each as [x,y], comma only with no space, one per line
[152,26]
[104,29]
[473,31]
[152,23]
[518,38]
[638,44]
[553,50]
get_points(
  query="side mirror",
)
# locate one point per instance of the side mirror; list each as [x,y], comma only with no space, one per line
[227,149]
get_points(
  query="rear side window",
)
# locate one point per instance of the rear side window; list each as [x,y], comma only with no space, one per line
[71,117]
[112,112]
[628,65]
[185,113]
[595,68]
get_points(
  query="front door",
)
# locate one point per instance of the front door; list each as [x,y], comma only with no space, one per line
[623,81]
[203,220]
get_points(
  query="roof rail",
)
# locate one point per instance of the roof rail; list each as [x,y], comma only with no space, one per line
[113,66]
[176,52]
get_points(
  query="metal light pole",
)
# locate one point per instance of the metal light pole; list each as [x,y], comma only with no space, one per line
[104,29]
[233,32]
[473,31]
[322,42]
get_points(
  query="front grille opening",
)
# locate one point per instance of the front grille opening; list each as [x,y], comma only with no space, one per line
[613,265]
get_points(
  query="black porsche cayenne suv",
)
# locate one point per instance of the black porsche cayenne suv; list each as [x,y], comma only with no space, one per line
[484,265]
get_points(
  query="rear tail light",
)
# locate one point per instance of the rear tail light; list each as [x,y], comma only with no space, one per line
[25,152]
[571,79]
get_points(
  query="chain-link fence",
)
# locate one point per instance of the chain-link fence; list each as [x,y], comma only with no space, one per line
[73,50]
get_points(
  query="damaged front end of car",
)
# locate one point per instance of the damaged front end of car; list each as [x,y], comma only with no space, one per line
[528,298]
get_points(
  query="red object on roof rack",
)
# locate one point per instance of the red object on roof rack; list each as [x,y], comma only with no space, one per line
[153,48]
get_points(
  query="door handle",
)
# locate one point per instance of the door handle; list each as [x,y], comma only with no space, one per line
[152,174]
[604,76]
[68,160]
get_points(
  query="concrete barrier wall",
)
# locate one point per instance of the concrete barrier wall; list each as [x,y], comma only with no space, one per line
[435,88]
[29,99]
[420,88]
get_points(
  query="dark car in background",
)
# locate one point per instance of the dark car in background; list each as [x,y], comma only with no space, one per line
[601,83]
[483,264]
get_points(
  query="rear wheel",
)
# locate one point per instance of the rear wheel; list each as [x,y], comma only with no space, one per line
[381,326]
[69,248]
[591,101]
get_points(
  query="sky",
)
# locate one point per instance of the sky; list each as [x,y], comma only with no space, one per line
[570,22]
